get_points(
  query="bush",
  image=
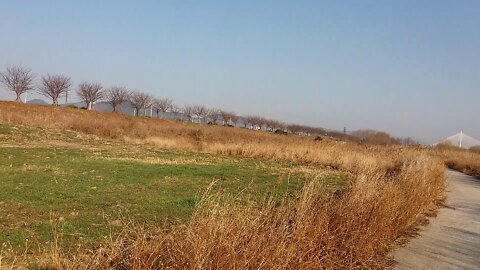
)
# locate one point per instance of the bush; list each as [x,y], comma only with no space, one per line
[72,106]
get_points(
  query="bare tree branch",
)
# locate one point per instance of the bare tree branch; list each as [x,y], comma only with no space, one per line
[90,93]
[54,86]
[175,109]
[214,115]
[229,118]
[189,111]
[140,100]
[116,96]
[200,111]
[254,121]
[18,80]
[162,105]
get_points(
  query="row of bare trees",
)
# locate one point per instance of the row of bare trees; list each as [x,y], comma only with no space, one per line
[21,80]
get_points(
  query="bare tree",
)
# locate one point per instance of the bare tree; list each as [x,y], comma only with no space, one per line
[254,121]
[200,111]
[233,119]
[188,110]
[18,80]
[90,93]
[54,86]
[175,109]
[297,129]
[225,116]
[214,115]
[229,117]
[162,105]
[116,96]
[140,101]
[276,125]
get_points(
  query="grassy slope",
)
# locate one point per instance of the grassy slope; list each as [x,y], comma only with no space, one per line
[85,185]
[394,188]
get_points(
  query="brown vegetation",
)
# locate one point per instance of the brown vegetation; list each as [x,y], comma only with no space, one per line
[395,188]
[466,161]
[380,138]
[355,229]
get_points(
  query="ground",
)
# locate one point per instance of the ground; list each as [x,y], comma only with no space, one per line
[60,182]
[452,239]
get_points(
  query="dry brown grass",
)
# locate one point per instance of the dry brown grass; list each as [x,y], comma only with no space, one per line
[213,139]
[395,188]
[466,161]
[353,230]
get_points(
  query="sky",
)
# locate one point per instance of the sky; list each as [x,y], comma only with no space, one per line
[410,68]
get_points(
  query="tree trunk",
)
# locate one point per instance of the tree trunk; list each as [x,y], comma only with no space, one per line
[18,99]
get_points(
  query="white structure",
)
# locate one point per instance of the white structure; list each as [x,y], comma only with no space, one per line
[461,140]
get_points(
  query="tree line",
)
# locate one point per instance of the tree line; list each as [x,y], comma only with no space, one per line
[20,80]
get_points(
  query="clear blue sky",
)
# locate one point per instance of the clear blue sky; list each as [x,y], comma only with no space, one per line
[411,68]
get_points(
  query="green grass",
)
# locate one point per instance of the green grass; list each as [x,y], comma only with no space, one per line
[84,187]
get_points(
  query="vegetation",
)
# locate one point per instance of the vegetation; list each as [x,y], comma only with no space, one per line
[345,224]
[466,161]
[354,229]
[54,87]
[90,93]
[79,183]
[18,80]
[21,80]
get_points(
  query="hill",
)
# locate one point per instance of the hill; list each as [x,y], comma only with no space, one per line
[37,102]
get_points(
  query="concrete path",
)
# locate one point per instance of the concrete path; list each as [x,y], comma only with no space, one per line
[452,239]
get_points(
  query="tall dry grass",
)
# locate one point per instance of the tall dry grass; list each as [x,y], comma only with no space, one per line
[395,188]
[213,139]
[466,161]
[353,230]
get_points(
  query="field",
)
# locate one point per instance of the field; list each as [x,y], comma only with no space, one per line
[101,191]
[63,180]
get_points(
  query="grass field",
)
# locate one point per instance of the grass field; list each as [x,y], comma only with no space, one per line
[86,187]
[278,202]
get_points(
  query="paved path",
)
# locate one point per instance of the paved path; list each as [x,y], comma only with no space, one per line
[452,239]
